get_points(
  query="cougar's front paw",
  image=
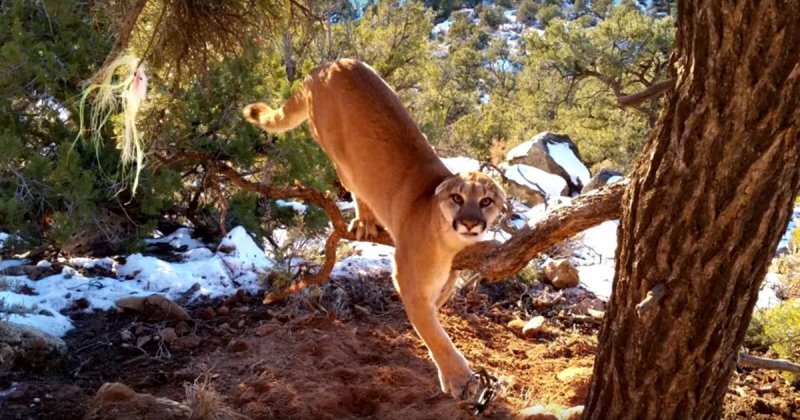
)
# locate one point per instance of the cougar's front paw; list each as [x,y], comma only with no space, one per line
[454,379]
[364,229]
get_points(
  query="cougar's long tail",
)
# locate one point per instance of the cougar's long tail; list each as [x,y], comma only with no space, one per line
[285,118]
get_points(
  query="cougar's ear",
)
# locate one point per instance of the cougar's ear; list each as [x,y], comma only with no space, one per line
[448,182]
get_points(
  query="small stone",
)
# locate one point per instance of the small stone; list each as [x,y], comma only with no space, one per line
[534,326]
[240,324]
[168,335]
[516,325]
[223,311]
[208,314]
[37,400]
[80,304]
[266,329]
[126,335]
[239,297]
[561,273]
[226,249]
[182,328]
[237,346]
[187,342]
[154,307]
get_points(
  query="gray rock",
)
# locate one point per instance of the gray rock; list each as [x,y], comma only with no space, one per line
[29,348]
[601,179]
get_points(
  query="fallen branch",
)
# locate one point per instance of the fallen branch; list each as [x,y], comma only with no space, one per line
[748,360]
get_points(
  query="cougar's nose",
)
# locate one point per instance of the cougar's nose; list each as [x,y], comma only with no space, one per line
[470,223]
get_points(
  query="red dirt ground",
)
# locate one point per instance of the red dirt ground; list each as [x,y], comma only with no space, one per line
[296,361]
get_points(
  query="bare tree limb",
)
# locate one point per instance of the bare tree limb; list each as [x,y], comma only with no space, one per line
[748,360]
[494,260]
[498,261]
[647,93]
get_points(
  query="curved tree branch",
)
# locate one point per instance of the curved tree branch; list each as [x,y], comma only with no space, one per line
[494,260]
[647,93]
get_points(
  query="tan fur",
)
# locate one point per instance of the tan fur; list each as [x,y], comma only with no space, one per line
[398,181]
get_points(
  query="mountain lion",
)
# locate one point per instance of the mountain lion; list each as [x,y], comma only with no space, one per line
[399,184]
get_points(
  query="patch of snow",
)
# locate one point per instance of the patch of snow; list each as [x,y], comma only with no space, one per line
[372,250]
[519,150]
[442,28]
[346,205]
[246,259]
[531,29]
[597,279]
[600,242]
[59,292]
[461,164]
[371,260]
[297,206]
[241,266]
[565,158]
[182,237]
[87,263]
[3,238]
[536,179]
[197,254]
[359,266]
[614,179]
[767,296]
[511,15]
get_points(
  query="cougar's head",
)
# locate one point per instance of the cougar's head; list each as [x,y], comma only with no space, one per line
[470,202]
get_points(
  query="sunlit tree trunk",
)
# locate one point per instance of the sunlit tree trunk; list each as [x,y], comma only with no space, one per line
[706,207]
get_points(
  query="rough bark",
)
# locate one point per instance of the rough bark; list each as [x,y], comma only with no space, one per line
[707,204]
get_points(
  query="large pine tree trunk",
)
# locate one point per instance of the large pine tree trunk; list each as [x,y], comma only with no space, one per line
[704,212]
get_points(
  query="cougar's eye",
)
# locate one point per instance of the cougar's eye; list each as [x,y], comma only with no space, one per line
[486,202]
[457,199]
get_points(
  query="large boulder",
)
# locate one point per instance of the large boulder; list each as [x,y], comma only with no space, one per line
[27,347]
[605,176]
[553,153]
[533,186]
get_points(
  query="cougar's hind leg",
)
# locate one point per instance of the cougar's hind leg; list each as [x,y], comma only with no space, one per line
[447,290]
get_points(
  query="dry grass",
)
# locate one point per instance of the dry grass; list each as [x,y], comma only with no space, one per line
[206,403]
